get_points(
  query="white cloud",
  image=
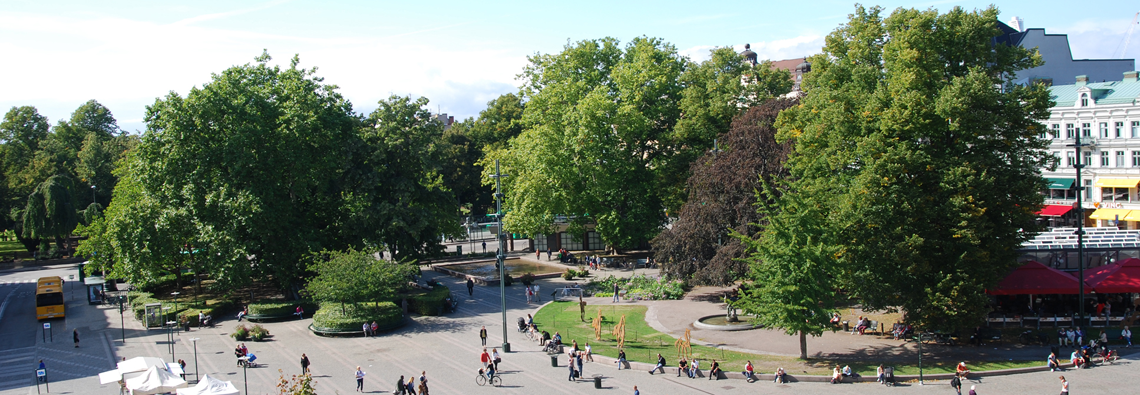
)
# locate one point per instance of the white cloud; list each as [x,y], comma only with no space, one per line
[795,47]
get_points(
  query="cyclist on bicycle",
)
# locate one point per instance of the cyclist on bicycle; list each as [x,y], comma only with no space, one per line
[490,371]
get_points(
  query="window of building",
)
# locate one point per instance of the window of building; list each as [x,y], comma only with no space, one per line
[1087,159]
[1069,157]
[1135,158]
[1119,129]
[1135,129]
[540,242]
[1086,130]
[1088,189]
[568,242]
[1114,194]
[594,239]
[1104,158]
[1055,130]
[1084,100]
[1069,133]
[1104,129]
[1119,158]
[1062,194]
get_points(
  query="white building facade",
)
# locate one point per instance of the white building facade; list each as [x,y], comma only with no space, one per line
[1106,116]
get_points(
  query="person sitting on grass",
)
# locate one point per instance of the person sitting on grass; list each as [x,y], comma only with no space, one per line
[780,376]
[847,372]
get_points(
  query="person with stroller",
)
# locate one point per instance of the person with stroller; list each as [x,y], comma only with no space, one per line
[881,374]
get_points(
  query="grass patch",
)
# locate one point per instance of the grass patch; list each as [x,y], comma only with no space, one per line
[8,247]
[643,343]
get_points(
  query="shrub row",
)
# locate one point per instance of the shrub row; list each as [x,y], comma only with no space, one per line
[431,303]
[330,316]
[274,308]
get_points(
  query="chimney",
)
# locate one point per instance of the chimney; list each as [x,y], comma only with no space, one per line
[1082,80]
[1017,24]
[1131,76]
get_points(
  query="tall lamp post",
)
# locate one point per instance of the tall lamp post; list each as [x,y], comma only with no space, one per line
[1077,146]
[92,194]
[195,341]
[499,257]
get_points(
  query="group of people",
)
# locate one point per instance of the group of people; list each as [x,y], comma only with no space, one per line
[532,293]
[241,351]
[576,358]
[838,374]
[409,387]
[490,362]
[370,329]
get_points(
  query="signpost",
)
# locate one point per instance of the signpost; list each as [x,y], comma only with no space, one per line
[41,375]
[47,332]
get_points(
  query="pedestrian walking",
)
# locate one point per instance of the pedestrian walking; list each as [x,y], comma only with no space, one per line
[635,391]
[1064,386]
[75,336]
[484,247]
[304,364]
[529,294]
[495,358]
[972,391]
[423,383]
[359,380]
[537,254]
[400,389]
[616,289]
[483,336]
[537,298]
[411,386]
[957,384]
[470,287]
[548,254]
[201,318]
[578,360]
[485,358]
[570,365]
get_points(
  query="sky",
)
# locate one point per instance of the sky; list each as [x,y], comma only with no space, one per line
[56,55]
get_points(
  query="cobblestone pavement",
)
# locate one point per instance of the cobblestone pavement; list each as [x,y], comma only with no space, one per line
[446,347]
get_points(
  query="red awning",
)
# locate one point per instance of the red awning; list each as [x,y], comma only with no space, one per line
[1119,277]
[1054,210]
[1036,278]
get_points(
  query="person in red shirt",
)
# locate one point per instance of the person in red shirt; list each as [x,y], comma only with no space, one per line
[485,358]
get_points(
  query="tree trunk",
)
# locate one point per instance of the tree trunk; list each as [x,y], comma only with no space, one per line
[803,345]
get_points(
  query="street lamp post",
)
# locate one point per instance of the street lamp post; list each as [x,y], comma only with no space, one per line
[195,341]
[1078,165]
[122,321]
[501,255]
[92,194]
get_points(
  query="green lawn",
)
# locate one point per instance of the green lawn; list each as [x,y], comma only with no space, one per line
[643,343]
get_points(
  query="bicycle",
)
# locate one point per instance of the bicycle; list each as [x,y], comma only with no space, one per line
[1111,356]
[481,379]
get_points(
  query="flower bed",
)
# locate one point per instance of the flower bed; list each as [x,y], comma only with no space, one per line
[639,286]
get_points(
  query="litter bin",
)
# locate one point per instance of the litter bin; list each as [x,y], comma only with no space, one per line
[846,326]
[554,361]
[598,381]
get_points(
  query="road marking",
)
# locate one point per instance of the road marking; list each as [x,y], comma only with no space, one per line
[6,299]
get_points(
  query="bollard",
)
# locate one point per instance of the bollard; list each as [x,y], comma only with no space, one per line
[554,361]
[598,381]
[846,326]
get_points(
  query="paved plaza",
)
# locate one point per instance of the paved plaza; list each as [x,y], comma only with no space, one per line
[446,347]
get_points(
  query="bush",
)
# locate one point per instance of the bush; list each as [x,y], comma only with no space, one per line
[258,333]
[241,332]
[568,274]
[508,280]
[330,317]
[274,308]
[650,288]
[431,303]
[527,279]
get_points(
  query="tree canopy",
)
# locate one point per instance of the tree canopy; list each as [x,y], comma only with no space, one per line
[609,132]
[355,276]
[922,162]
[722,199]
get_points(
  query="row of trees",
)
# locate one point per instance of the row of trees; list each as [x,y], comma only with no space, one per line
[246,175]
[55,178]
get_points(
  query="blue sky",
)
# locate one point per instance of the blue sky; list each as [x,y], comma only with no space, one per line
[459,54]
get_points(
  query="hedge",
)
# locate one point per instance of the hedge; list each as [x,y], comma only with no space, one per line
[330,318]
[431,303]
[273,308]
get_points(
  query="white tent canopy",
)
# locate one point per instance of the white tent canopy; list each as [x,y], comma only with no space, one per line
[210,386]
[140,364]
[155,381]
[129,369]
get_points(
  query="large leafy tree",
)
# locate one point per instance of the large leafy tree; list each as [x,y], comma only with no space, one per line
[466,142]
[351,276]
[247,168]
[21,134]
[925,165]
[722,198]
[396,196]
[52,210]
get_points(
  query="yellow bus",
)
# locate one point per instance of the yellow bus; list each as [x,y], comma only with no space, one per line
[49,298]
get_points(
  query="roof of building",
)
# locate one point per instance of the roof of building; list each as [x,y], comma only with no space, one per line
[788,64]
[1112,92]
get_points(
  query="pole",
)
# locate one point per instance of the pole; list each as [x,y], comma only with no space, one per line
[918,339]
[122,321]
[92,194]
[1080,229]
[499,257]
[245,377]
[195,341]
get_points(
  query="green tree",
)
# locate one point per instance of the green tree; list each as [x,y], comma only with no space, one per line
[397,198]
[21,134]
[467,141]
[722,199]
[248,167]
[925,165]
[352,276]
[790,285]
[52,210]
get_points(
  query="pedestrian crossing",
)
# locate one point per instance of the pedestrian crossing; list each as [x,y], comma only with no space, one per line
[18,366]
